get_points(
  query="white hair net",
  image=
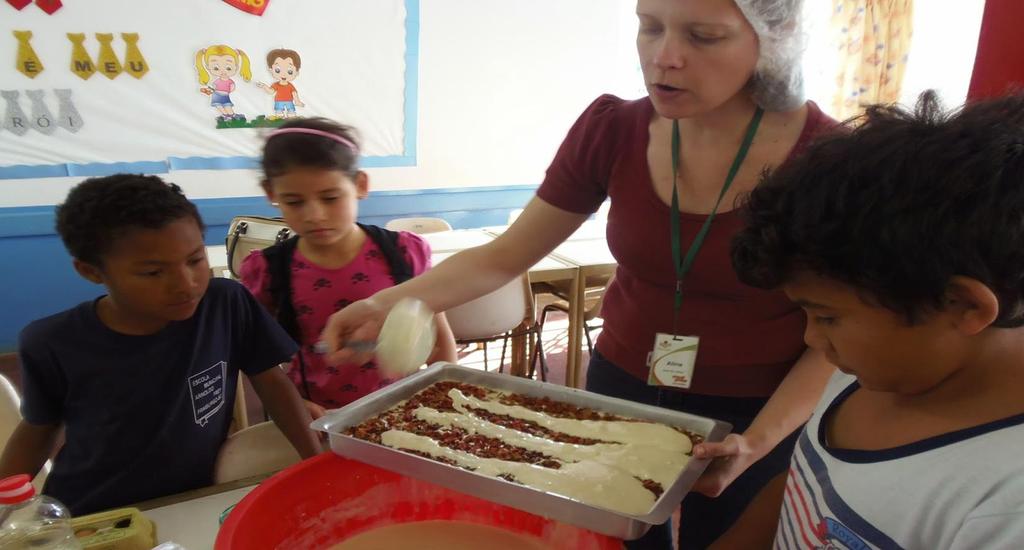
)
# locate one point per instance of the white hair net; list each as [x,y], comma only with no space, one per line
[778,83]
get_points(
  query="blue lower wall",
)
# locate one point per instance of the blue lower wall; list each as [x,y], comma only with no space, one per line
[38,280]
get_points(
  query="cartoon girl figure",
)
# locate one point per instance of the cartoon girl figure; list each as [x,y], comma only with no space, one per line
[222,62]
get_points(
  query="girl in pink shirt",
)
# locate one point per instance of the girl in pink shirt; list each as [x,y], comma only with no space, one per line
[310,173]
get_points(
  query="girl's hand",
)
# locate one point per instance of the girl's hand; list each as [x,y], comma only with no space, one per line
[359,322]
[299,103]
[731,458]
[315,411]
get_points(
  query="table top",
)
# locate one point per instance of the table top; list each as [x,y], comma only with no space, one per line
[458,239]
[547,269]
[192,519]
[592,253]
[590,229]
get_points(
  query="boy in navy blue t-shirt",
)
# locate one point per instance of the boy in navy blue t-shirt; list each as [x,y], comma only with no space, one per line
[143,379]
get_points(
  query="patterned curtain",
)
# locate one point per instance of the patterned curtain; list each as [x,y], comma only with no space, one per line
[873,42]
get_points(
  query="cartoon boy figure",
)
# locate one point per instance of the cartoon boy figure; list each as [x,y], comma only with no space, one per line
[284,66]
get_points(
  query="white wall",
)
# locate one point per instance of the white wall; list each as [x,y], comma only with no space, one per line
[499,85]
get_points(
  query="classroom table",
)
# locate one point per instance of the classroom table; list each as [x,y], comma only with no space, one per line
[192,518]
[586,250]
[549,269]
[595,265]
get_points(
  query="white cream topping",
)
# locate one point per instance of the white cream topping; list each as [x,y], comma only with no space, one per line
[643,461]
[590,482]
[604,474]
[642,433]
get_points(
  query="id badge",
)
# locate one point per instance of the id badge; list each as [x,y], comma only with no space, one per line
[672,360]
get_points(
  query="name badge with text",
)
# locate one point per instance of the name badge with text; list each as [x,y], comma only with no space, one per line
[672,360]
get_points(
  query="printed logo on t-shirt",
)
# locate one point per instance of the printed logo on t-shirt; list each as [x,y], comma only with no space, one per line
[207,391]
[839,537]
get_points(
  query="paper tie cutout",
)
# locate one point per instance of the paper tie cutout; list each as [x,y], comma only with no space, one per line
[68,116]
[15,120]
[28,62]
[49,6]
[255,7]
[19,4]
[134,63]
[107,62]
[81,63]
[42,119]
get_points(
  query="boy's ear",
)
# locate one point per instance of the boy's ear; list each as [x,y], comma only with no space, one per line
[362,181]
[973,305]
[88,271]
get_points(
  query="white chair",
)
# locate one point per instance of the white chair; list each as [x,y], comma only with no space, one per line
[496,316]
[10,416]
[258,449]
[513,215]
[418,225]
[240,412]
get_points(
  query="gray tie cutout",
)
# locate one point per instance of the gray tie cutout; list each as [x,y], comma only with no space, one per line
[67,115]
[42,119]
[15,120]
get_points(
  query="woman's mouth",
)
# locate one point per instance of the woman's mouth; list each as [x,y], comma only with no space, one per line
[666,92]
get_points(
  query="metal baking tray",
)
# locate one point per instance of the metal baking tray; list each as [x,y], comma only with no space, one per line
[498,490]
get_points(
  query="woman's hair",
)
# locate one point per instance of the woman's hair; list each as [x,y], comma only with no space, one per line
[898,206]
[203,60]
[327,145]
[778,81]
[99,211]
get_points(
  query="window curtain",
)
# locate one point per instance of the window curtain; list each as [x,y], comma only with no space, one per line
[873,41]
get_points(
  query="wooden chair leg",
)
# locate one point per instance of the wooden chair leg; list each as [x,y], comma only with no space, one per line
[543,361]
[504,348]
[538,349]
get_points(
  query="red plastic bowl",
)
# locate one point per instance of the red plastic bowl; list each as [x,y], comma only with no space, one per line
[327,499]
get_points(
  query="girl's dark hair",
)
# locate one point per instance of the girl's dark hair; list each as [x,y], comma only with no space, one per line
[99,211]
[898,206]
[285,152]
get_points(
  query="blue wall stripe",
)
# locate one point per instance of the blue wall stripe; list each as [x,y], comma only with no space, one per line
[412,68]
[38,280]
[407,158]
[29,171]
[94,169]
[214,163]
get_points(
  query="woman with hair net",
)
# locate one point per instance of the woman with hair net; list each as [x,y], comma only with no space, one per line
[725,103]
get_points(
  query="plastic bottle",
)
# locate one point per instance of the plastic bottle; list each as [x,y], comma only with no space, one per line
[32,522]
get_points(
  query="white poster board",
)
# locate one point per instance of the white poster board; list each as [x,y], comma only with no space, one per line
[357,64]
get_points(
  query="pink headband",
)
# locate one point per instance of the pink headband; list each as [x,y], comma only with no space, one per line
[314,132]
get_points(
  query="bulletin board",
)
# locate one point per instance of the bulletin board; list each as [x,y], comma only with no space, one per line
[94,87]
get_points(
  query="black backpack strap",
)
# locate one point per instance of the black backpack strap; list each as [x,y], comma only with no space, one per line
[387,241]
[279,267]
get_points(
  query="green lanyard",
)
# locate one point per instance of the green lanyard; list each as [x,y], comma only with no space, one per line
[683,265]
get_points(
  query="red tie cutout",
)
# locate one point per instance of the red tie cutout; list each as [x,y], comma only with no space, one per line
[18,4]
[49,6]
